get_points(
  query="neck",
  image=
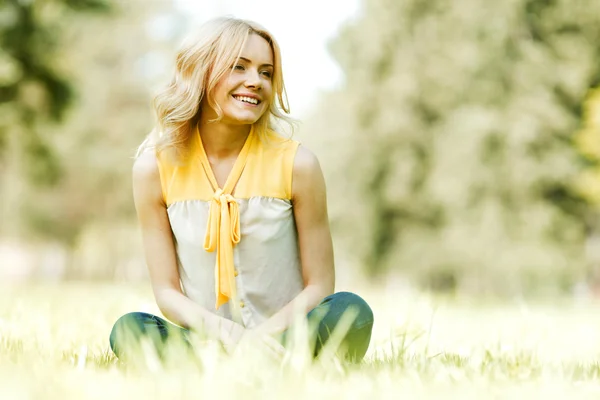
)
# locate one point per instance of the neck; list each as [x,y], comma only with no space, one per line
[221,140]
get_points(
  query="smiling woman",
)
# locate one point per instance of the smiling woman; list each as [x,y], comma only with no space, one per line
[248,84]
[234,216]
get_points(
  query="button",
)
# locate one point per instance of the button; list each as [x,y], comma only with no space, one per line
[242,304]
[236,273]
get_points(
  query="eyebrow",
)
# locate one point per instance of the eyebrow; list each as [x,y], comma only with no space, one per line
[249,61]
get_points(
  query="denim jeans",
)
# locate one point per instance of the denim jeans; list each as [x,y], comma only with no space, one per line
[322,321]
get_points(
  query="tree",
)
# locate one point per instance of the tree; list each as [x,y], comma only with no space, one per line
[587,141]
[455,124]
[33,90]
[109,65]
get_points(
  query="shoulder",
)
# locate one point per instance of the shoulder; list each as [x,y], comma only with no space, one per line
[146,177]
[145,167]
[274,141]
[277,148]
[307,176]
[306,161]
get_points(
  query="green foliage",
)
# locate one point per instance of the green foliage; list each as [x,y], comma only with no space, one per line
[34,87]
[456,124]
[71,131]
[587,141]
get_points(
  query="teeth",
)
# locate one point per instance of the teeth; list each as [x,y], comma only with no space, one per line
[247,99]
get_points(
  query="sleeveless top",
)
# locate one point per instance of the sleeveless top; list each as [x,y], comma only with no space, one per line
[237,246]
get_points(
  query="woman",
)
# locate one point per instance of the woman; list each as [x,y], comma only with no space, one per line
[233,216]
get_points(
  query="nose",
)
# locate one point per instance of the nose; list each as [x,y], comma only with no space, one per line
[253,79]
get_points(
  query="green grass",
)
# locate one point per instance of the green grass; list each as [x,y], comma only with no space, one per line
[54,344]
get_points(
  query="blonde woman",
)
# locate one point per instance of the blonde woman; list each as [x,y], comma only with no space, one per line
[233,215]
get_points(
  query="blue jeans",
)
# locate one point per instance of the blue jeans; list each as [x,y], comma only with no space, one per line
[130,328]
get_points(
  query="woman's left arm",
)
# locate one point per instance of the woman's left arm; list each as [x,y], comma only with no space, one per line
[309,201]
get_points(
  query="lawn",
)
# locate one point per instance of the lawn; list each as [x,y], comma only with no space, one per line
[54,344]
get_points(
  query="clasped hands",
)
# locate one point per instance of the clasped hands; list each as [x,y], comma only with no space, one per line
[240,338]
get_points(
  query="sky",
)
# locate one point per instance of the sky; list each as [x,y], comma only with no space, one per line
[302,28]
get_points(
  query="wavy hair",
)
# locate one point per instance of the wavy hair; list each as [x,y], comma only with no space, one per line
[201,62]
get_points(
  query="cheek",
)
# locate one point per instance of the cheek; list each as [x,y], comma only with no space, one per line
[268,92]
[222,89]
[222,93]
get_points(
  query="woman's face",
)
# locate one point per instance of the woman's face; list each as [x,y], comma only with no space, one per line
[245,93]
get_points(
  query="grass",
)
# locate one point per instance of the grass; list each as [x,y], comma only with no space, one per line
[54,344]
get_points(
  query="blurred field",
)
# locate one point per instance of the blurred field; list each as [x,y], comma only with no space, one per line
[54,344]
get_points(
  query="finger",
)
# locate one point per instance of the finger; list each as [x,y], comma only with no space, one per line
[274,345]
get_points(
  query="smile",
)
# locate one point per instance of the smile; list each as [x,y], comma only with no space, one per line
[246,100]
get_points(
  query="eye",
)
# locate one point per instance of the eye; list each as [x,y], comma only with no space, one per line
[268,74]
[239,67]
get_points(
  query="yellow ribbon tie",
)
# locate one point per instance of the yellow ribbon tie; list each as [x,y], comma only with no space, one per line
[223,228]
[222,232]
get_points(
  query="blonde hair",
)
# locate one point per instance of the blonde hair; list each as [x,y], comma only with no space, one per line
[200,64]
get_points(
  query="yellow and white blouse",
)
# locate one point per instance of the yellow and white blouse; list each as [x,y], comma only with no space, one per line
[237,247]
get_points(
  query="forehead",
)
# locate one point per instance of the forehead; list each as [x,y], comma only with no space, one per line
[257,50]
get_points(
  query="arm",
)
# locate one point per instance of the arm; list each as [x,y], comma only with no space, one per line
[161,259]
[314,238]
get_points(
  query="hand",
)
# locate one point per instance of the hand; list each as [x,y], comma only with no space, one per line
[253,339]
[230,335]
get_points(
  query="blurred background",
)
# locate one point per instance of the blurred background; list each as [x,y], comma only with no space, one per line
[460,140]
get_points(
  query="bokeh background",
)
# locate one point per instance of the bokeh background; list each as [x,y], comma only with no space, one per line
[460,140]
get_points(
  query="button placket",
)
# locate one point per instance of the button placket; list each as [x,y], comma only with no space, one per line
[236,272]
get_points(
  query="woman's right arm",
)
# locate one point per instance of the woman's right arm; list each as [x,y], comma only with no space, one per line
[161,259]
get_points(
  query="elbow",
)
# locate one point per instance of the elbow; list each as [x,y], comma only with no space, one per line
[323,289]
[329,290]
[164,298]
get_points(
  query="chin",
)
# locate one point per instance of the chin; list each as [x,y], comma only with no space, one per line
[242,118]
[239,120]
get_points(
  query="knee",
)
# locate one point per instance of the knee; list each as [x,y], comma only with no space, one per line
[364,315]
[128,324]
